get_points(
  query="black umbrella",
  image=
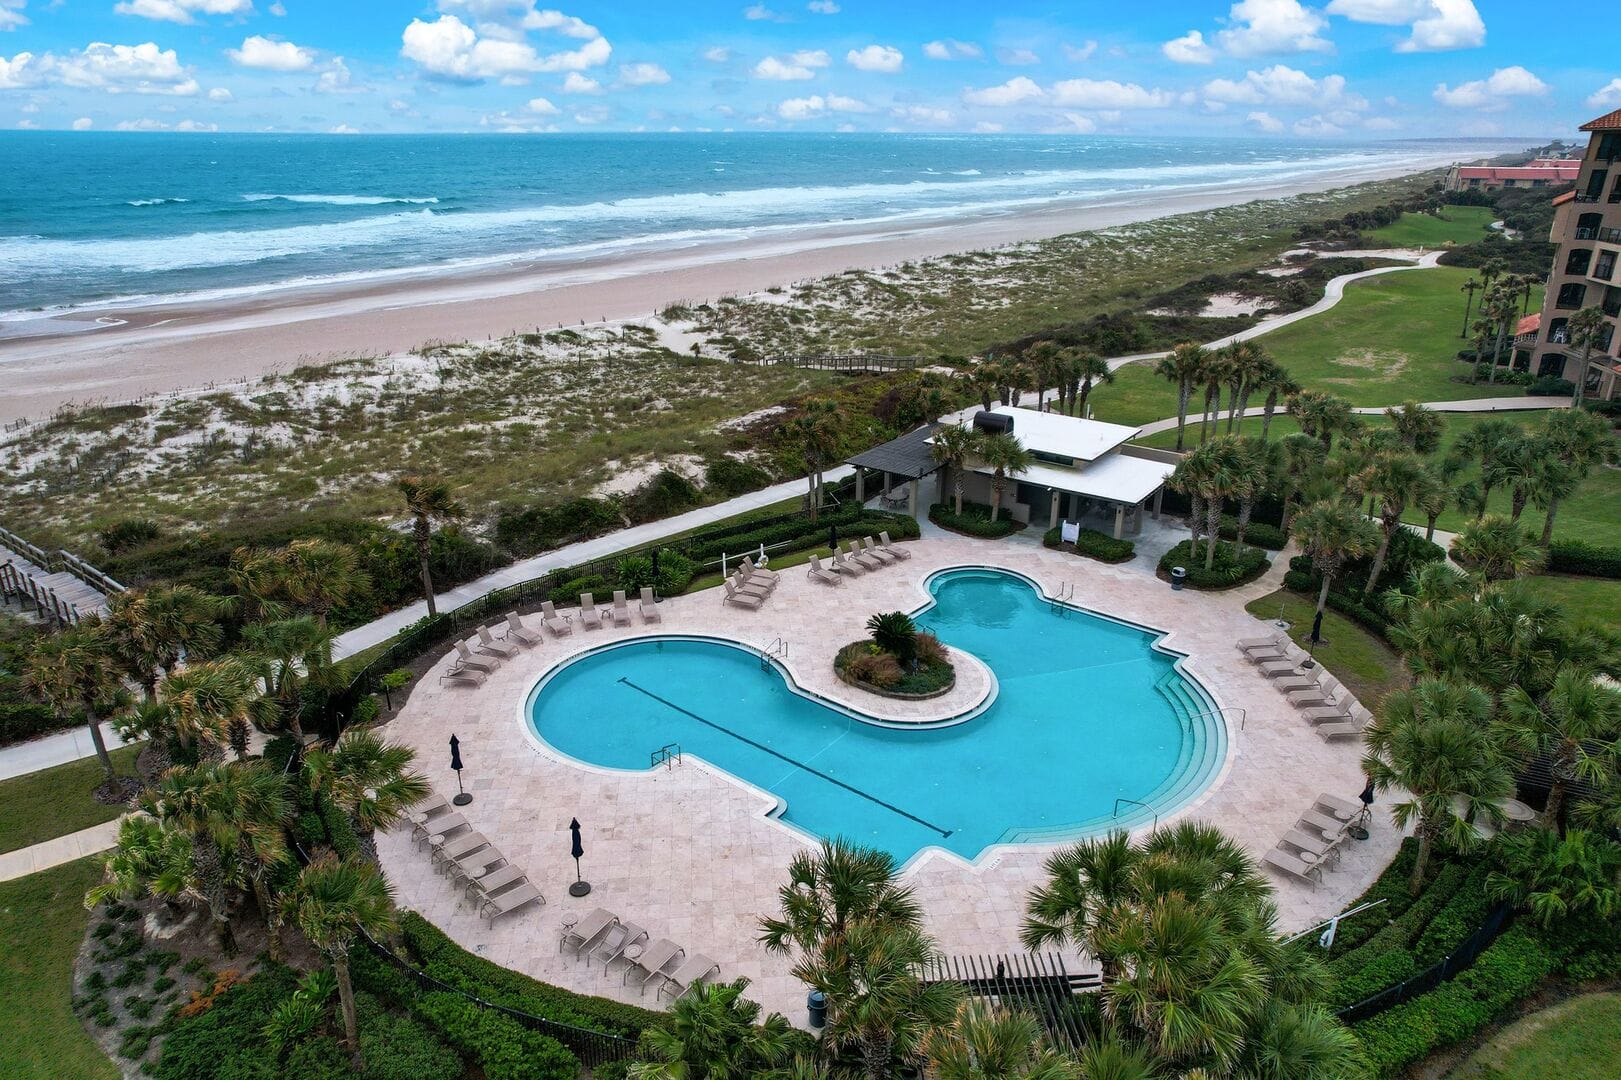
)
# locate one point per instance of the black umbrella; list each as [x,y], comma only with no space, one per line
[576,849]
[1359,825]
[1367,794]
[655,573]
[462,797]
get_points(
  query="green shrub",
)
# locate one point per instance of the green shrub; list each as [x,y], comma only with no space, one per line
[667,493]
[320,1057]
[400,1048]
[139,1007]
[24,720]
[340,832]
[1257,533]
[975,520]
[1230,568]
[676,571]
[366,710]
[503,1047]
[121,536]
[1093,544]
[527,530]
[134,1040]
[226,1041]
[728,477]
[1462,915]
[1551,386]
[568,592]
[1579,557]
[797,532]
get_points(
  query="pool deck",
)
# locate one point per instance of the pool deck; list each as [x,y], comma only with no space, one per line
[688,853]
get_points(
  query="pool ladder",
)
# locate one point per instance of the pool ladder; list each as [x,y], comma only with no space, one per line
[667,755]
[1059,600]
[777,650]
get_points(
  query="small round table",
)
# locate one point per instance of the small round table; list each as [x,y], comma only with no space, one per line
[1516,811]
[633,953]
[1308,856]
[569,921]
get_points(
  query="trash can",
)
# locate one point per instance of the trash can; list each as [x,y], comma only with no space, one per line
[816,1004]
[1178,576]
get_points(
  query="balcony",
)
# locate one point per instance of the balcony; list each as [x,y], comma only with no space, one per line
[1583,232]
[1609,236]
[1584,197]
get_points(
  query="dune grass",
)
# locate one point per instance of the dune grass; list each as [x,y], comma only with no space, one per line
[54,802]
[42,921]
[1451,225]
[1578,1039]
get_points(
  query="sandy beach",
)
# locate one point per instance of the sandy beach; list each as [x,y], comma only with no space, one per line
[154,349]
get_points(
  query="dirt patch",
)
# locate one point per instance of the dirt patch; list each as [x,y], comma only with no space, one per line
[1384,363]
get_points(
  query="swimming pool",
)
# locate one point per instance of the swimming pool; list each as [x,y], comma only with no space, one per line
[1092,727]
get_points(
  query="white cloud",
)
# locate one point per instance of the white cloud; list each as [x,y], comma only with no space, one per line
[118,69]
[541,107]
[1263,27]
[1018,57]
[29,107]
[1492,92]
[496,46]
[592,114]
[11,17]
[950,49]
[1013,92]
[344,129]
[148,124]
[794,68]
[182,11]
[1381,123]
[1317,125]
[760,13]
[219,93]
[717,54]
[26,124]
[924,114]
[1080,53]
[1607,96]
[1079,124]
[1283,85]
[823,7]
[195,125]
[809,108]
[278,10]
[643,75]
[987,127]
[336,79]
[1436,25]
[1108,94]
[261,52]
[83,123]
[24,69]
[1190,48]
[1265,122]
[581,84]
[880,58]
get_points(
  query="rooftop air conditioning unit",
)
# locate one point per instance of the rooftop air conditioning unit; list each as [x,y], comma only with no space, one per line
[993,423]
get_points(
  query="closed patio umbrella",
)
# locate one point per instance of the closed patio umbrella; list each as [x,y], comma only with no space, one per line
[462,797]
[577,849]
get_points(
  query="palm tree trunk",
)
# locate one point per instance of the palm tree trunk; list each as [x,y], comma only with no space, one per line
[1429,529]
[1243,405]
[1244,508]
[1213,514]
[875,1057]
[996,495]
[346,995]
[1485,494]
[1195,523]
[101,744]
[1580,380]
[261,897]
[1517,502]
[956,488]
[1556,803]
[1184,395]
[1415,884]
[422,558]
[1322,596]
[211,875]
[1266,417]
[1379,559]
[1547,522]
[810,496]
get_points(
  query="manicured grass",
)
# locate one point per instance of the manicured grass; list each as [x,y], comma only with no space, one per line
[1578,1039]
[1452,225]
[42,921]
[1595,599]
[54,802]
[1357,657]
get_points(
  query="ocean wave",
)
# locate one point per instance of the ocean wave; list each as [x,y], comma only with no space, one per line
[967,172]
[341,200]
[154,202]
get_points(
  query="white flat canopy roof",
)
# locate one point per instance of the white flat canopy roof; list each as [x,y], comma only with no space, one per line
[1071,436]
[1117,478]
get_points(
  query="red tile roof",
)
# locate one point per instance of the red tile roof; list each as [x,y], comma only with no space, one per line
[1529,325]
[1565,198]
[1610,121]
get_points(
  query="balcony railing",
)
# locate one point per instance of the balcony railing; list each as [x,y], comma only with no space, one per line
[1585,233]
[1582,196]
[1609,236]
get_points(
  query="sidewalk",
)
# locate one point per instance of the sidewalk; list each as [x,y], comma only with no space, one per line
[1469,405]
[58,749]
[63,849]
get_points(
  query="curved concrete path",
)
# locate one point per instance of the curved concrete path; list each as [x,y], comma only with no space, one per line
[1468,405]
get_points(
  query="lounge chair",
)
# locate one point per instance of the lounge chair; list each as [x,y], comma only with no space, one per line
[1277,669]
[1350,728]
[461,675]
[869,546]
[505,903]
[590,617]
[759,573]
[1301,840]
[458,847]
[476,865]
[1302,681]
[657,960]
[1344,809]
[619,938]
[493,881]
[1330,827]
[1328,691]
[517,631]
[491,647]
[862,557]
[649,605]
[734,595]
[583,934]
[843,565]
[1293,865]
[427,807]
[1325,714]
[694,969]
[621,610]
[437,826]
[1246,644]
[466,659]
[893,548]
[557,624]
[751,585]
[817,573]
[1263,654]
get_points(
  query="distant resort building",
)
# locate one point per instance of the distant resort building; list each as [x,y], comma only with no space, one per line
[1541,172]
[1587,228]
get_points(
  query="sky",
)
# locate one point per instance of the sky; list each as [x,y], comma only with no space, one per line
[1331,69]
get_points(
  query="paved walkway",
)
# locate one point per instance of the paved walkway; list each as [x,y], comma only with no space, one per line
[63,849]
[58,749]
[1468,405]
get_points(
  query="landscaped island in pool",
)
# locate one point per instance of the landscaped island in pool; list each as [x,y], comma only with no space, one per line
[1093,727]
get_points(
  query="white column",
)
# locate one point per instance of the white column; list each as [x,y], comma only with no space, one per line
[1119,521]
[1159,494]
[911,496]
[861,486]
[1052,518]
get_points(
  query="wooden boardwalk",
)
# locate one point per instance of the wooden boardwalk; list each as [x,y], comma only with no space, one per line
[63,587]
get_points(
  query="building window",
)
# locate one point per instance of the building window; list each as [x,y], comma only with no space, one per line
[1576,262]
[1611,302]
[1053,459]
[1604,269]
[1587,226]
[1571,295]
[1615,190]
[1595,184]
[1605,336]
[1552,364]
[1609,146]
[1559,332]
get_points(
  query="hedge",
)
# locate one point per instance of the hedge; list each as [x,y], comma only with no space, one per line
[802,531]
[975,520]
[1093,545]
[1257,533]
[1580,557]
[502,1046]
[526,530]
[1350,606]
[24,720]
[1461,916]
[1229,570]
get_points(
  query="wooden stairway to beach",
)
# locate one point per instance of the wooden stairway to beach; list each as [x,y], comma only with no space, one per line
[64,587]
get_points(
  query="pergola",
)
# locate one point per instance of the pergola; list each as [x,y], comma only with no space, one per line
[909,457]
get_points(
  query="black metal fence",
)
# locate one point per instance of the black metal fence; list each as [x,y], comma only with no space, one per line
[1037,983]
[1460,959]
[850,362]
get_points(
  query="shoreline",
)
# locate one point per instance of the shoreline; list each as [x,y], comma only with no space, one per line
[164,348]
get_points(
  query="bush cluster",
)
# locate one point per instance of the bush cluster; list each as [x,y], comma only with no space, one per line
[799,532]
[1579,557]
[525,530]
[667,493]
[975,520]
[502,1046]
[1229,569]
[1093,544]
[1257,533]
[727,477]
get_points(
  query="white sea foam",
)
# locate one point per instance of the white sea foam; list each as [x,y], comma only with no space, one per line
[340,200]
[155,202]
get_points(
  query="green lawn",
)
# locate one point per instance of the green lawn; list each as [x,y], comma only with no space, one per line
[1596,599]
[42,921]
[1578,1039]
[54,802]
[1455,225]
[1355,656]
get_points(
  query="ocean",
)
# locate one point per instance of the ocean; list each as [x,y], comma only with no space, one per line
[92,220]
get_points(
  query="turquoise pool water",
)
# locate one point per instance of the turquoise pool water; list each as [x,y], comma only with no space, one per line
[1092,727]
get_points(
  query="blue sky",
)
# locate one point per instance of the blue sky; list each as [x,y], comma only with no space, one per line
[1322,69]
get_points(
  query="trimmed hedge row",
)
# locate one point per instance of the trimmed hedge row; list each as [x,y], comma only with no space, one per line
[1229,570]
[975,520]
[1092,544]
[1579,557]
[802,531]
[1258,533]
[1389,956]
[1348,605]
[503,1047]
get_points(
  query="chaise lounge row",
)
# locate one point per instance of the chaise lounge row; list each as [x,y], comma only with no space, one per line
[604,936]
[861,556]
[1323,700]
[470,860]
[1315,840]
[482,654]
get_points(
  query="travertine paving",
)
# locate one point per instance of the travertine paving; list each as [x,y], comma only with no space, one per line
[688,853]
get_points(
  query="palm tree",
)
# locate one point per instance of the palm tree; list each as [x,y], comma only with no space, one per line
[985,381]
[1418,426]
[75,670]
[1303,458]
[1259,466]
[713,1033]
[286,651]
[1320,415]
[1586,331]
[1483,442]
[826,891]
[1470,287]
[1248,366]
[1580,440]
[1557,876]
[1432,496]
[986,1042]
[1575,725]
[1092,370]
[322,575]
[1331,533]
[215,702]
[1299,1042]
[1182,367]
[1394,480]
[1520,465]
[429,501]
[1498,549]
[330,902]
[154,629]
[149,860]
[1501,307]
[1221,475]
[1433,742]
[258,578]
[371,780]
[815,431]
[1042,364]
[1213,374]
[951,446]
[1090,887]
[1005,456]
[1279,387]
